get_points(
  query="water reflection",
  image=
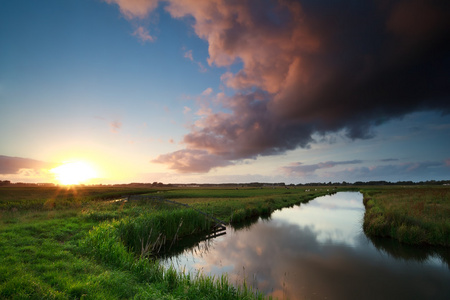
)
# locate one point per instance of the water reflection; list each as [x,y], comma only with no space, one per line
[405,252]
[318,251]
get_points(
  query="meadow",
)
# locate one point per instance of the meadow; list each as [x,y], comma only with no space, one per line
[412,215]
[78,242]
[72,243]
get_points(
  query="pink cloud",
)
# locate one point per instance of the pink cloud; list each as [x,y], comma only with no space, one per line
[303,72]
[242,31]
[188,55]
[135,8]
[115,126]
[207,92]
[143,34]
[311,67]
[19,165]
[186,110]
[192,161]
[201,67]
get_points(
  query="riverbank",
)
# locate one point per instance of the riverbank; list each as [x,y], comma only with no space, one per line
[238,205]
[412,215]
[58,243]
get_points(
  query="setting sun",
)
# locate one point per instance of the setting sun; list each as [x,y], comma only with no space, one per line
[74,172]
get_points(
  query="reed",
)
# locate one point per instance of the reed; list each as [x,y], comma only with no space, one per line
[118,243]
[59,243]
[152,232]
[413,215]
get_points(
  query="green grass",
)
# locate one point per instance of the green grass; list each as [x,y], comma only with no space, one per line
[86,247]
[412,215]
[40,259]
[112,243]
[159,229]
[72,244]
[237,205]
[26,198]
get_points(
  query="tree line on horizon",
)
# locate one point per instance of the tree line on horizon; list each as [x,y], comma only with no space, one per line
[251,184]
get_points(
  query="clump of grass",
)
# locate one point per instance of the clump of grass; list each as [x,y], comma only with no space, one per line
[159,229]
[111,241]
[238,216]
[411,215]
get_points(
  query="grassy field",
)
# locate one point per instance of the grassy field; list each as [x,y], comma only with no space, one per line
[59,243]
[28,198]
[412,215]
[237,205]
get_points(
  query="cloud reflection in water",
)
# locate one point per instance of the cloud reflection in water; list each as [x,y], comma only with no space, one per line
[317,250]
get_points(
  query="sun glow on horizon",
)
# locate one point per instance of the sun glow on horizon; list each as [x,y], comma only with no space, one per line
[74,172]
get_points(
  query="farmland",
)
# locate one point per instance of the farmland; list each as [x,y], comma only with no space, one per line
[79,242]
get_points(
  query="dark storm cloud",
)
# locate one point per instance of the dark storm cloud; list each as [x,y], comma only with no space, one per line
[299,169]
[414,171]
[12,165]
[315,67]
[353,171]
[389,159]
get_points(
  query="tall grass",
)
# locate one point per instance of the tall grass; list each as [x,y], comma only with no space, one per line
[413,215]
[118,243]
[159,230]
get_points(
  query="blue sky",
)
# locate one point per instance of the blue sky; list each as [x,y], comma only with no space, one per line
[211,91]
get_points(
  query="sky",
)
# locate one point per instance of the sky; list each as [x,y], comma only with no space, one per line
[218,91]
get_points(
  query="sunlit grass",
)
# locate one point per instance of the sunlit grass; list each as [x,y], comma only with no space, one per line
[44,253]
[84,245]
[38,198]
[115,243]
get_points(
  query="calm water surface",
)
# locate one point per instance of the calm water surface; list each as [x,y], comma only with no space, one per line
[318,251]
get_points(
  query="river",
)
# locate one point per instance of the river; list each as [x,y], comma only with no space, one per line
[319,251]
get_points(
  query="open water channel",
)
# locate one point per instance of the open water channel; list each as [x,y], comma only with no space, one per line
[319,251]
